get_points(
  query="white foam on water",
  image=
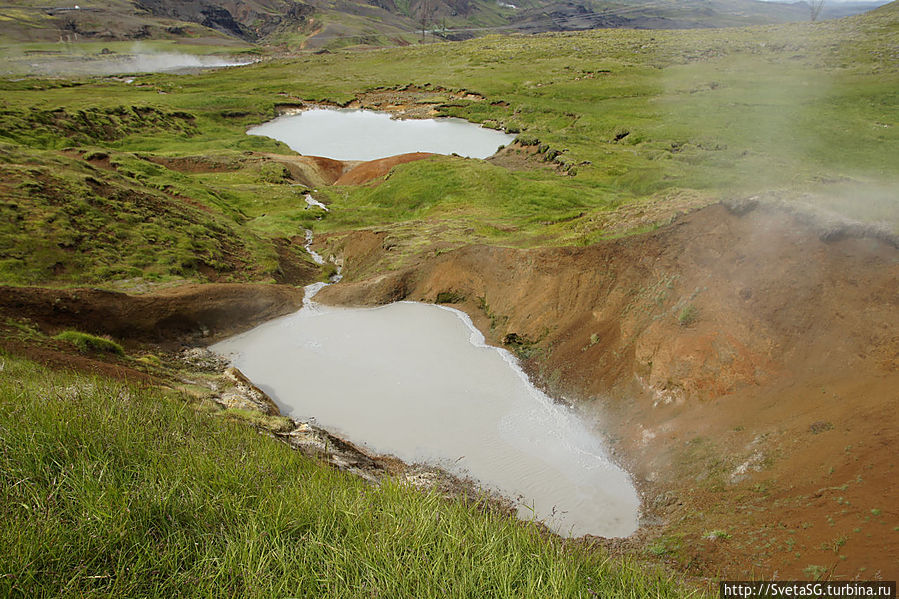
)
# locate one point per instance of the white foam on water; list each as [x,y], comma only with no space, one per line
[310,201]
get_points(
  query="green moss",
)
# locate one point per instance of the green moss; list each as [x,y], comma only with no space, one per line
[90,343]
[688,315]
[449,297]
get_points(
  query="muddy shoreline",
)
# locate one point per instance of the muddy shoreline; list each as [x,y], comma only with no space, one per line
[230,389]
[734,423]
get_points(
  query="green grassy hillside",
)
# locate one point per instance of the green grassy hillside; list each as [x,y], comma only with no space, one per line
[803,112]
[314,24]
[111,490]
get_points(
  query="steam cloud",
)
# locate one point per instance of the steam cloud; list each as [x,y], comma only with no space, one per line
[114,64]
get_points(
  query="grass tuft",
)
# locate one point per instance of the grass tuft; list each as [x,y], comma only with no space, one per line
[90,343]
[688,315]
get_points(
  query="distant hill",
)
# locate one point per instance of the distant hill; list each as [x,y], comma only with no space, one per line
[336,23]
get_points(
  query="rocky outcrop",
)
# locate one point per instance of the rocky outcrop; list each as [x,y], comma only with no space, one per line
[245,395]
[233,391]
[250,21]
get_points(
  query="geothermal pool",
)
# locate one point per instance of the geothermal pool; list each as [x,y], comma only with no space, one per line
[369,135]
[417,381]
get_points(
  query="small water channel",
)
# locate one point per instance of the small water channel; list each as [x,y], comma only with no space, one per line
[417,381]
[368,135]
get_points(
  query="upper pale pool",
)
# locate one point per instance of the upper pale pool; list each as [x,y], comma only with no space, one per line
[368,135]
[416,381]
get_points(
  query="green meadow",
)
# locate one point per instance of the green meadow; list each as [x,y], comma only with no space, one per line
[804,112]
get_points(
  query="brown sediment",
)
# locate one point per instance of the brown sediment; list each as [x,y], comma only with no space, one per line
[409,101]
[313,171]
[375,169]
[317,171]
[744,362]
[188,313]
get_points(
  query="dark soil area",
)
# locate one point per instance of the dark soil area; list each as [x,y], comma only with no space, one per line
[186,314]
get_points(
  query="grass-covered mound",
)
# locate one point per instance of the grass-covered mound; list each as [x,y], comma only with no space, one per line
[90,343]
[108,489]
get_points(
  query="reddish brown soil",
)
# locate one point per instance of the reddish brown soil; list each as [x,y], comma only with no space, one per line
[375,169]
[316,171]
[182,314]
[293,269]
[312,171]
[743,364]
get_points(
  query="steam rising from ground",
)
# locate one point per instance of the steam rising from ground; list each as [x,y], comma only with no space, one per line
[168,61]
[113,64]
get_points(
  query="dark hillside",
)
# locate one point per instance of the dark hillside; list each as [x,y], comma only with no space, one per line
[248,20]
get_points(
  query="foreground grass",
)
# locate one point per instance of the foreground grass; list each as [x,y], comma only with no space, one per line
[112,490]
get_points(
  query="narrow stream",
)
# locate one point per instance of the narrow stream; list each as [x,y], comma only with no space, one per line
[417,381]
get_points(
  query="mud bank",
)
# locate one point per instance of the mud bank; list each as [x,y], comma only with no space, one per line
[745,358]
[184,314]
[317,171]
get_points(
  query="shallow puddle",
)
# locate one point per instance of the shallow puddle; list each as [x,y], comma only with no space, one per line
[416,381]
[368,135]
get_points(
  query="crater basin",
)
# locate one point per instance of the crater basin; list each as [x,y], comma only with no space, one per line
[344,134]
[417,381]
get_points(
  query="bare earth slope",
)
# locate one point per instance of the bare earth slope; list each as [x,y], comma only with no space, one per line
[184,313]
[745,363]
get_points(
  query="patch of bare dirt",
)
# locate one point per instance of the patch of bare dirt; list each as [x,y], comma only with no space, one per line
[411,101]
[198,164]
[313,171]
[742,361]
[375,169]
[293,268]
